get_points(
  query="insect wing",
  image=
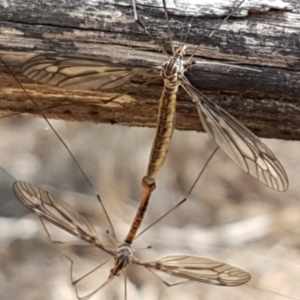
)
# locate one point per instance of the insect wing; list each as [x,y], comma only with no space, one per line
[56,211]
[238,142]
[200,269]
[80,73]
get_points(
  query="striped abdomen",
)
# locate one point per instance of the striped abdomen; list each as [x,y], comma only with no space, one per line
[164,132]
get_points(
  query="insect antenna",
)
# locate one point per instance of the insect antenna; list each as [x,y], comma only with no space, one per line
[215,30]
[63,143]
[185,198]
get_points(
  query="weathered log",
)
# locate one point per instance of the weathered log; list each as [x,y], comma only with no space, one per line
[262,36]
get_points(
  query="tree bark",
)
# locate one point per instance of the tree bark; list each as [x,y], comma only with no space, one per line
[261,35]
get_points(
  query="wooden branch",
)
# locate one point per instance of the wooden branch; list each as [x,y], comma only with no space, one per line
[262,36]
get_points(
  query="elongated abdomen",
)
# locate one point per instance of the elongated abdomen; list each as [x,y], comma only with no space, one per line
[160,147]
[164,132]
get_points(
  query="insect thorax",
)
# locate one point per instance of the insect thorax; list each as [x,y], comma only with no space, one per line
[172,70]
[123,256]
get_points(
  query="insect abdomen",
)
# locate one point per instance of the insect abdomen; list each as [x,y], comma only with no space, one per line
[164,132]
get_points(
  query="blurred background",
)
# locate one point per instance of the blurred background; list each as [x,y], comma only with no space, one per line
[229,216]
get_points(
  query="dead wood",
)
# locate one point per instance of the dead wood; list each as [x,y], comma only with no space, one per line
[264,37]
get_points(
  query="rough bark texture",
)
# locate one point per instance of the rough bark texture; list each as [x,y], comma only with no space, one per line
[263,35]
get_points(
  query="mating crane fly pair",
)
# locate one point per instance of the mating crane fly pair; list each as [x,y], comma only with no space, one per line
[240,144]
[237,141]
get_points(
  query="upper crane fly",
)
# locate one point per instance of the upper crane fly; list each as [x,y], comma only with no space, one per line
[237,141]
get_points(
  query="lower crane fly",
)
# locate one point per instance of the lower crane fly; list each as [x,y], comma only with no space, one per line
[61,214]
[237,141]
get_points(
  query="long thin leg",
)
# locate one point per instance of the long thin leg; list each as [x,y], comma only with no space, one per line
[186,197]
[74,282]
[168,24]
[125,284]
[60,139]
[142,25]
[215,30]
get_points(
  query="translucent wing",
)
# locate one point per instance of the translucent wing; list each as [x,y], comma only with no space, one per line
[238,142]
[56,211]
[80,73]
[200,269]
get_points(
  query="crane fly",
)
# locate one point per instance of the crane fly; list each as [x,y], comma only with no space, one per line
[60,213]
[237,141]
